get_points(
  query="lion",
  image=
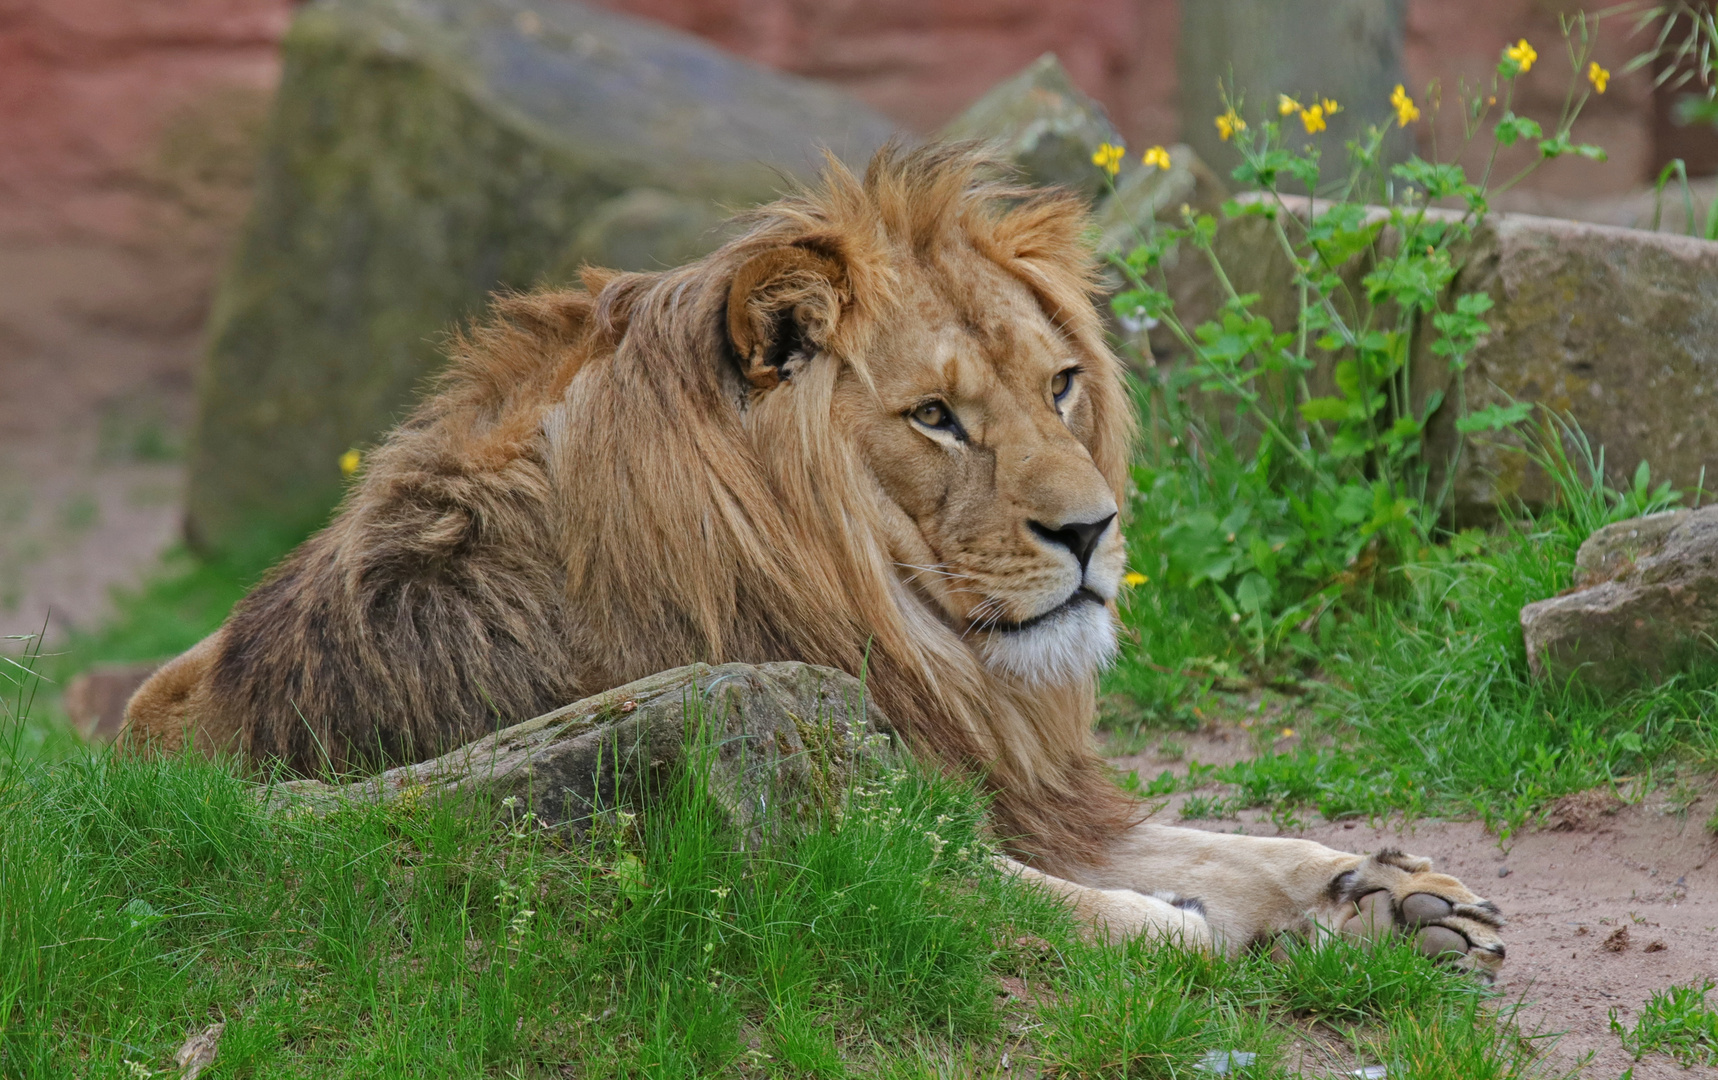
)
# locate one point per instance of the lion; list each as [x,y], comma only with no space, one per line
[881,429]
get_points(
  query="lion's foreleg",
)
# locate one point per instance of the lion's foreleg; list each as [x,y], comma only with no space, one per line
[1251,889]
[1120,914]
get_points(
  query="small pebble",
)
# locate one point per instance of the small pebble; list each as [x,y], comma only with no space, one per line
[1224,1061]
[1503,871]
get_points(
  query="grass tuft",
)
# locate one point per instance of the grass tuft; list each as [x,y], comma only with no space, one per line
[1676,1021]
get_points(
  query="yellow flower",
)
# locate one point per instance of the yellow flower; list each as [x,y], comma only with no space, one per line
[1287,733]
[1228,124]
[1598,76]
[1313,118]
[1523,55]
[1108,157]
[1286,104]
[1406,111]
[1158,156]
[1134,577]
[349,462]
[1330,107]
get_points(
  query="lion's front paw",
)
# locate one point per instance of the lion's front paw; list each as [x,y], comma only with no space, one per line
[1390,892]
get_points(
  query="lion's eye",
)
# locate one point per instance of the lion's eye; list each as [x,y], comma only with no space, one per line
[1061,384]
[933,414]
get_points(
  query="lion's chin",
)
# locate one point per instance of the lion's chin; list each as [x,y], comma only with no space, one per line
[1067,647]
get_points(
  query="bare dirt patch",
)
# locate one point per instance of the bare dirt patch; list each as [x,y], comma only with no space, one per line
[1608,900]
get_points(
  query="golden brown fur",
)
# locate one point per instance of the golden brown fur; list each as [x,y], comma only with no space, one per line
[596,491]
[880,428]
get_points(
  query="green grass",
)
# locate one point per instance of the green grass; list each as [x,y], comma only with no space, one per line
[1676,1021]
[1413,690]
[185,598]
[141,901]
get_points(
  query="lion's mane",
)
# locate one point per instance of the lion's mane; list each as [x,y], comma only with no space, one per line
[586,498]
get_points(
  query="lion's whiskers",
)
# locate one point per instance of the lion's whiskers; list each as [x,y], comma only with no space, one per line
[940,569]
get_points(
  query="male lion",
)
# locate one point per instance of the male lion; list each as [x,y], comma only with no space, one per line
[884,417]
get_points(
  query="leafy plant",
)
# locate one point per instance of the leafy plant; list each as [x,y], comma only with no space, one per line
[1289,466]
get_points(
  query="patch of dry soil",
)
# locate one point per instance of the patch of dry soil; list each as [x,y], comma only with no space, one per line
[1606,902]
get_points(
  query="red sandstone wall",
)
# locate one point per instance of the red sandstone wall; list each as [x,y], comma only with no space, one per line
[100,100]
[923,61]
[89,87]
[1459,40]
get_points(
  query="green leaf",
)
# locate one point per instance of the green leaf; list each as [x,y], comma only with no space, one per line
[1327,408]
[1439,181]
[1251,208]
[1353,504]
[1253,593]
[1347,376]
[1475,304]
[1494,417]
[140,915]
[1511,128]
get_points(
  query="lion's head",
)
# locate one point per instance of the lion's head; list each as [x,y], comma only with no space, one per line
[971,388]
[878,430]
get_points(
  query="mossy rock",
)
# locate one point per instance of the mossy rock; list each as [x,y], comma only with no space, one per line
[1041,122]
[1613,328]
[423,156]
[779,742]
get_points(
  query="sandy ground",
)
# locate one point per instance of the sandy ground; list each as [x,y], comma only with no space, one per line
[1641,876]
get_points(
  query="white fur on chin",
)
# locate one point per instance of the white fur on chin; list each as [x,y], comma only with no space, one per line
[1071,646]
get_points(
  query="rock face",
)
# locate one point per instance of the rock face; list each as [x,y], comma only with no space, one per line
[1042,123]
[1617,328]
[1144,192]
[781,738]
[1348,50]
[424,154]
[1644,606]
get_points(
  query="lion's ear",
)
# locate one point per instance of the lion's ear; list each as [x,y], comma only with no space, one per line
[783,306]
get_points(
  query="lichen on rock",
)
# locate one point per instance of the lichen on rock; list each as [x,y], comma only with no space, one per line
[1644,605]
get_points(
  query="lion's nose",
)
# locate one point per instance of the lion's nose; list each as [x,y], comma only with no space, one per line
[1079,537]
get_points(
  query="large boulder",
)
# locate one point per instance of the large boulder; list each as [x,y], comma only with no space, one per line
[1144,194]
[783,739]
[423,155]
[1615,328]
[1252,50]
[1041,122]
[1644,605]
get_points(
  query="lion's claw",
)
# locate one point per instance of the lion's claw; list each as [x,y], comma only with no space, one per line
[1392,893]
